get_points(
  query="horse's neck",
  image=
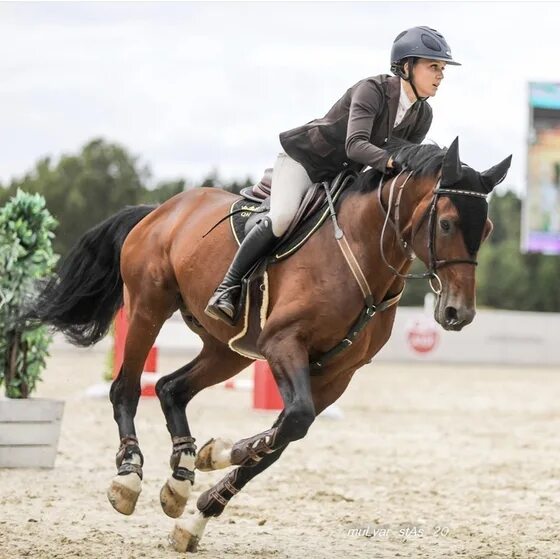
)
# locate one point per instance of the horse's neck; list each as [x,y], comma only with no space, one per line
[363,219]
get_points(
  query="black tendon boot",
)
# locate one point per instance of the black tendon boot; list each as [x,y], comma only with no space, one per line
[223,304]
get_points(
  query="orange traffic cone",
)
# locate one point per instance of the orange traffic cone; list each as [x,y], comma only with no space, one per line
[266,395]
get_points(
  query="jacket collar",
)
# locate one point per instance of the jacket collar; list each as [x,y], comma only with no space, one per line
[393,93]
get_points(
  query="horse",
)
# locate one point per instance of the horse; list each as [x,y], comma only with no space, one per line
[157,260]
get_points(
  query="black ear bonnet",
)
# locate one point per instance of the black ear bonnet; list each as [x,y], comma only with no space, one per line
[472,210]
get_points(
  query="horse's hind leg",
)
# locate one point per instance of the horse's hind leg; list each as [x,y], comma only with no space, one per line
[147,315]
[215,364]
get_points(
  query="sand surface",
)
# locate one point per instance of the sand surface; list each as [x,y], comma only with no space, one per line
[429,461]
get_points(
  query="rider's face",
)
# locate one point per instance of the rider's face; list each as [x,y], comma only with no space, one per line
[427,76]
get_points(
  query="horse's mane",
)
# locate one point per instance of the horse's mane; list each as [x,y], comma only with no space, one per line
[425,160]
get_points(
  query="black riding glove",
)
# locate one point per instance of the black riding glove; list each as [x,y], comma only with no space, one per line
[394,170]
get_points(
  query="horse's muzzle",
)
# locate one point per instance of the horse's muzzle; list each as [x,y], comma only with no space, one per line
[456,318]
[452,312]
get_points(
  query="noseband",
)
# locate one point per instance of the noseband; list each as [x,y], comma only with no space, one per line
[430,213]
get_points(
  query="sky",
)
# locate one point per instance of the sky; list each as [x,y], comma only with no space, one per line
[192,87]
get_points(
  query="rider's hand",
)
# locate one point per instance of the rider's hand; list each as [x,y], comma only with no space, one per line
[393,167]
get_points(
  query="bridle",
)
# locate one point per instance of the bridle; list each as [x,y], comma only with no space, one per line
[371,306]
[431,214]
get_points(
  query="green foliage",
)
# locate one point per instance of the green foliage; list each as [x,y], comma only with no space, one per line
[213,180]
[26,255]
[503,280]
[415,290]
[162,192]
[505,213]
[236,186]
[83,189]
[509,279]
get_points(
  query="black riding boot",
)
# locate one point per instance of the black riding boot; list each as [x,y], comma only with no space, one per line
[223,304]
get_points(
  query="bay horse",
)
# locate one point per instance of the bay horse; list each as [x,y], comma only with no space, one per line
[157,260]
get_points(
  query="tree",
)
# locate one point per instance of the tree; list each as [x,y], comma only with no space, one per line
[162,192]
[82,190]
[505,213]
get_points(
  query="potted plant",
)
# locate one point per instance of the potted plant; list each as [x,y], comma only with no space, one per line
[29,427]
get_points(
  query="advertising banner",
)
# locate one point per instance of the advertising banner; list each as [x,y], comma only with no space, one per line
[541,212]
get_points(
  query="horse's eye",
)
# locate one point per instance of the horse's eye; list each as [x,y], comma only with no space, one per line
[445,225]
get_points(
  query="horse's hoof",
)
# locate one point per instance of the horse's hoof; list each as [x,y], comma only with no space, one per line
[124,491]
[173,497]
[214,455]
[187,533]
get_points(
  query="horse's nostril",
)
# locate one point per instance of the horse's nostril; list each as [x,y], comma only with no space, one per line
[450,314]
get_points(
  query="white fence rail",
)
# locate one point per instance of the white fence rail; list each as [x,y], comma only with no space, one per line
[495,337]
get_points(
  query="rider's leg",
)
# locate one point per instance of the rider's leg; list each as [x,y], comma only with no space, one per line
[222,304]
[289,183]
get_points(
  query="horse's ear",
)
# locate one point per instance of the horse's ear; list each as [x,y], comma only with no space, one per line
[495,175]
[451,168]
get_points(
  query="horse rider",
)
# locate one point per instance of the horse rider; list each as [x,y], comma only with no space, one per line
[350,135]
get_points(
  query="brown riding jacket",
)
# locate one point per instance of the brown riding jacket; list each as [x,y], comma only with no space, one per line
[352,133]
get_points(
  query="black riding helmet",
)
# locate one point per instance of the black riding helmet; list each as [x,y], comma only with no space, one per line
[418,42]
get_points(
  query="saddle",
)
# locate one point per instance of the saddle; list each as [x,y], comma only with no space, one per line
[311,214]
[245,213]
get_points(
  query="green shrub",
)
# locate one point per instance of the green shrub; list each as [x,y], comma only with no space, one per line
[26,255]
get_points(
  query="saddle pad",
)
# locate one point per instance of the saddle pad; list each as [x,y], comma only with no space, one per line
[240,211]
[255,309]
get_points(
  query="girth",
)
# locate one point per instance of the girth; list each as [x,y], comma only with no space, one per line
[366,315]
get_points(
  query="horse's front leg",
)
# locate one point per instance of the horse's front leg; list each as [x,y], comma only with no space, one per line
[215,364]
[187,533]
[290,367]
[125,393]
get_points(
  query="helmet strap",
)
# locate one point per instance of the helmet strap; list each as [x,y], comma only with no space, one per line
[410,77]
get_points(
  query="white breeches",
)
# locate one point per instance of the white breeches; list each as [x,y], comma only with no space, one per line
[289,183]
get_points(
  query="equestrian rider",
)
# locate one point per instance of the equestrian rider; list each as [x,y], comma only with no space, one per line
[350,135]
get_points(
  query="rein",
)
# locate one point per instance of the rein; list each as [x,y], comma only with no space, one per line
[431,214]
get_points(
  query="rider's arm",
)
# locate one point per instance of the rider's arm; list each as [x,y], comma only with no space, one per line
[365,108]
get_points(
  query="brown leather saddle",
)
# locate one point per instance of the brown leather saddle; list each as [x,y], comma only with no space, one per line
[312,212]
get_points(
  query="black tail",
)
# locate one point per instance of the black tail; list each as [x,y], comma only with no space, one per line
[86,292]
